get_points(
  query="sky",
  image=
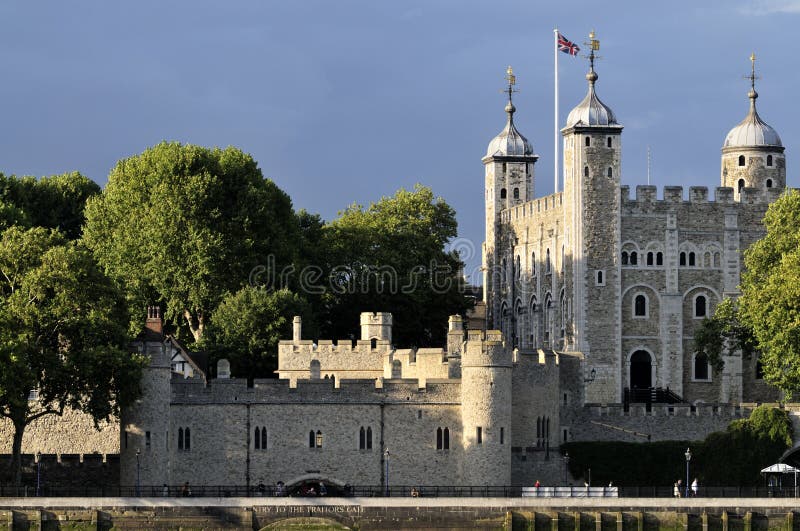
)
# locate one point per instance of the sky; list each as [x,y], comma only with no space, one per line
[347,101]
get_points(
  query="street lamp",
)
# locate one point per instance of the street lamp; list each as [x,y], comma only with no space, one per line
[566,466]
[386,458]
[138,485]
[688,455]
[38,471]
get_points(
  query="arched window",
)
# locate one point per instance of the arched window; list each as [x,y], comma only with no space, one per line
[312,440]
[769,183]
[586,169]
[369,438]
[373,343]
[640,306]
[608,140]
[258,438]
[547,261]
[180,438]
[659,258]
[769,160]
[516,193]
[547,428]
[397,369]
[187,440]
[588,141]
[741,160]
[706,259]
[691,259]
[600,281]
[446,439]
[700,306]
[682,259]
[650,258]
[314,369]
[538,427]
[439,438]
[624,257]
[701,371]
[716,259]
[610,172]
[634,258]
[362,439]
[740,185]
[263,438]
[533,264]
[518,268]
[502,193]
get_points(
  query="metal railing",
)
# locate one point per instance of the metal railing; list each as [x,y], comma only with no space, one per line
[434,491]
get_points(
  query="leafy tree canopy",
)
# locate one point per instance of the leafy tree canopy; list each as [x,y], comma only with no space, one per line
[391,257]
[55,202]
[723,331]
[61,333]
[248,325]
[186,225]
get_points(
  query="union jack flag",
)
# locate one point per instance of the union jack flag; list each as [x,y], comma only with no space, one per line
[567,46]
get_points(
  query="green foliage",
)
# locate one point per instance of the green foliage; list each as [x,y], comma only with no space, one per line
[186,225]
[248,325]
[733,457]
[55,202]
[391,257]
[61,332]
[723,331]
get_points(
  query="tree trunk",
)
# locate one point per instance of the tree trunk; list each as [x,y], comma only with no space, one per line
[195,329]
[16,453]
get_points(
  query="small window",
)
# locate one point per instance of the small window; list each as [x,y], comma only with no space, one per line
[518,271]
[608,141]
[640,306]
[126,439]
[502,193]
[610,173]
[312,441]
[502,436]
[741,160]
[682,260]
[263,438]
[659,258]
[691,259]
[769,160]
[180,439]
[516,193]
[701,371]
[586,169]
[769,183]
[740,185]
[700,306]
[588,141]
[547,261]
[362,439]
[314,369]
[187,440]
[505,167]
[419,413]
[257,438]
[479,435]
[624,257]
[369,438]
[373,343]
[533,264]
[600,280]
[439,439]
[650,258]
[634,258]
[147,439]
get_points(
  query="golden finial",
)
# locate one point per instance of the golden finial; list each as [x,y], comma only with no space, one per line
[510,77]
[752,77]
[594,42]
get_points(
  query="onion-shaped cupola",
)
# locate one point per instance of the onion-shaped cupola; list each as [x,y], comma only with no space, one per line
[510,142]
[591,111]
[753,154]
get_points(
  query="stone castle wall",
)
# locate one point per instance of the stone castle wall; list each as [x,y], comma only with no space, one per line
[71,433]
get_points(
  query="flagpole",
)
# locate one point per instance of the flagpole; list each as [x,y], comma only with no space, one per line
[555,113]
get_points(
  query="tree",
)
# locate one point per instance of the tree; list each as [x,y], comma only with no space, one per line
[723,331]
[391,257]
[770,302]
[55,202]
[186,225]
[248,325]
[61,333]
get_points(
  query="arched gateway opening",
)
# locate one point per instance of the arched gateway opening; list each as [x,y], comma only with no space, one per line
[641,370]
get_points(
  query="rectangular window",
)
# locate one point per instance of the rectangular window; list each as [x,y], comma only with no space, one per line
[502,436]
[419,413]
[479,435]
[147,439]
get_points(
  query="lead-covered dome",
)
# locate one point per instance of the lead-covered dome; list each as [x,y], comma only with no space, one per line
[591,111]
[510,142]
[752,131]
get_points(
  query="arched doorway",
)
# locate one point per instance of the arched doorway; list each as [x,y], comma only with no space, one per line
[641,370]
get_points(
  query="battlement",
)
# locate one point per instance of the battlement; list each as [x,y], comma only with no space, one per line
[726,411]
[723,195]
[486,349]
[532,207]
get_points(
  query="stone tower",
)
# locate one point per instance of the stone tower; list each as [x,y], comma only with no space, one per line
[509,181]
[752,155]
[145,425]
[486,409]
[376,326]
[592,167]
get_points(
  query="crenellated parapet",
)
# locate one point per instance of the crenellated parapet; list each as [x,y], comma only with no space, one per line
[532,208]
[646,196]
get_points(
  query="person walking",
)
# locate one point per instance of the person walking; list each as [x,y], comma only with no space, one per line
[695,486]
[676,489]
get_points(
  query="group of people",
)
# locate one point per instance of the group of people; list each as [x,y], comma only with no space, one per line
[679,491]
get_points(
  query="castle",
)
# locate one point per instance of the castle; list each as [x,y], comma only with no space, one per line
[591,297]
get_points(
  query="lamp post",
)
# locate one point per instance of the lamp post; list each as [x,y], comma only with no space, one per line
[688,455]
[38,471]
[566,466]
[138,485]
[386,459]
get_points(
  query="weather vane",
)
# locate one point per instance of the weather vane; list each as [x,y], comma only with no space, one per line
[752,77]
[512,80]
[594,45]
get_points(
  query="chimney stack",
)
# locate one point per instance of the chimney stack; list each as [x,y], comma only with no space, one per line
[297,327]
[154,322]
